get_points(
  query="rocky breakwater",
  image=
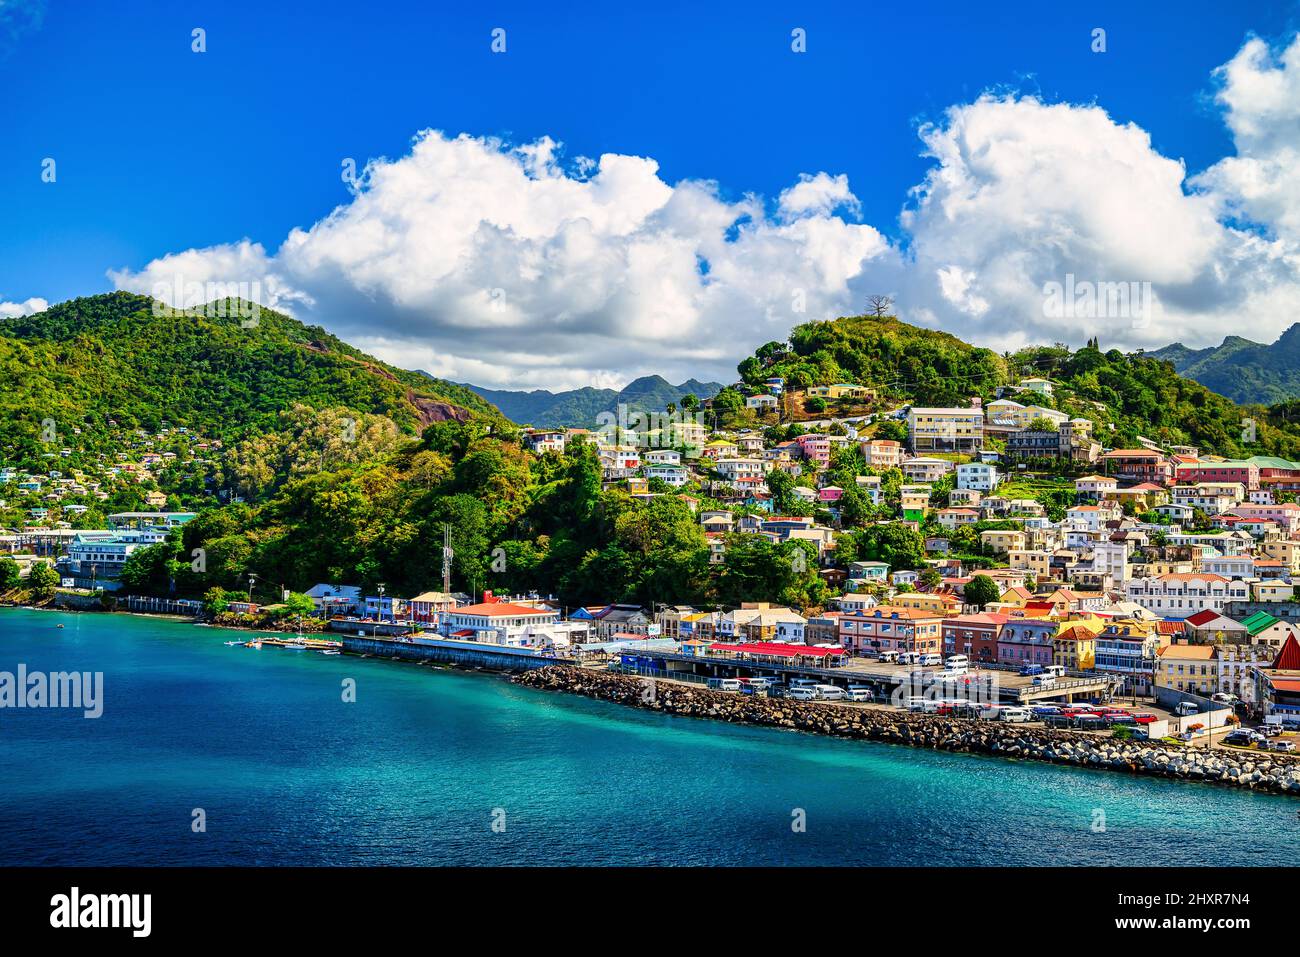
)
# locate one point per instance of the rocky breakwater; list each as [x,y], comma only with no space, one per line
[1259,771]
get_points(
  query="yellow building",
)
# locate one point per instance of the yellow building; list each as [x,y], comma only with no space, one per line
[1075,648]
[1031,560]
[937,604]
[1284,550]
[1002,540]
[1193,668]
[946,430]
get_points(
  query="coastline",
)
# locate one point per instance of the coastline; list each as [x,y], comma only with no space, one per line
[1270,773]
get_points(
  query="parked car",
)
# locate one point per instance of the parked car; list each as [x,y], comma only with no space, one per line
[1043,710]
[1044,681]
[1031,670]
[1282,744]
[802,694]
[887,657]
[1242,738]
[1187,708]
[1015,715]
[1144,718]
[725,684]
[929,660]
[1224,698]
[860,694]
[1270,730]
[830,692]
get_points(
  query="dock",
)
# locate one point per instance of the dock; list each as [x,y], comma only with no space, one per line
[478,654]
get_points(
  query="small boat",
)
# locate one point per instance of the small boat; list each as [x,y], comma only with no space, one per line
[232,644]
[330,651]
[253,644]
[58,626]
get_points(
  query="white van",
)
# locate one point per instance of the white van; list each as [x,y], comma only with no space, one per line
[724,684]
[858,693]
[1185,708]
[887,657]
[908,657]
[929,660]
[1044,681]
[954,662]
[914,703]
[1016,715]
[803,683]
[1056,671]
[830,692]
[802,694]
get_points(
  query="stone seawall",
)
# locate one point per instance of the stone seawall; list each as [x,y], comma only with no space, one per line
[1260,771]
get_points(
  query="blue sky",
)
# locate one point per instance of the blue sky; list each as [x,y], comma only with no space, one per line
[160,149]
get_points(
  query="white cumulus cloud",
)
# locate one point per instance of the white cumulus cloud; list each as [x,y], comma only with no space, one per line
[502,264]
[12,310]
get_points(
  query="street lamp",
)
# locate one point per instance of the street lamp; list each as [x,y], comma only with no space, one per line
[252,579]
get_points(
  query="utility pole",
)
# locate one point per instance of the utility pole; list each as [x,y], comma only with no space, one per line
[447,555]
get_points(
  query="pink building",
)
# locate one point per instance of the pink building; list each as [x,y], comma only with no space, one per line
[1285,514]
[816,448]
[1246,473]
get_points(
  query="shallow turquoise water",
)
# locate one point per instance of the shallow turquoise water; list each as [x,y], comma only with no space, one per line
[417,769]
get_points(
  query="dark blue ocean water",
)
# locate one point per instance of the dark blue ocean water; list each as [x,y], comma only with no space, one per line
[415,769]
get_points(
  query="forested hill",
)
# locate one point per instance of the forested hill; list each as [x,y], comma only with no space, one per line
[1241,369]
[117,357]
[1125,395]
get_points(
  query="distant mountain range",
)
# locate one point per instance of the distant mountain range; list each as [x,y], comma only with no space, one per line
[578,408]
[1243,370]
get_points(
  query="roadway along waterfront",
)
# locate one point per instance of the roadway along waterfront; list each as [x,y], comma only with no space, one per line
[419,767]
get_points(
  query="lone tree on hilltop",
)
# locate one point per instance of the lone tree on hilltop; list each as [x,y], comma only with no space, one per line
[880,305]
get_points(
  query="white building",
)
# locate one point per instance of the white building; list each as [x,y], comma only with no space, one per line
[1182,594]
[980,476]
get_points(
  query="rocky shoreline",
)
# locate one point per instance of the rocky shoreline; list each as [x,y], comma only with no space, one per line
[1273,773]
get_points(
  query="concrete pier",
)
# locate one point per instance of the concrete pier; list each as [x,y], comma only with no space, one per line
[471,653]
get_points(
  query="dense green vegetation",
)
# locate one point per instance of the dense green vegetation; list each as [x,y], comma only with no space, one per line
[1135,394]
[898,360]
[518,523]
[116,358]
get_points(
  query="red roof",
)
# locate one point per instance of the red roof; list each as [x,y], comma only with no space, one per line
[1201,617]
[1169,627]
[501,609]
[1288,659]
[777,649]
[1291,686]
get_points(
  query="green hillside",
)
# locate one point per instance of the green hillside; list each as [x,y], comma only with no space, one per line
[1125,395]
[1243,370]
[115,357]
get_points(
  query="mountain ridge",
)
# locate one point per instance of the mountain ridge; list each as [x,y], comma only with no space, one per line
[578,408]
[1242,369]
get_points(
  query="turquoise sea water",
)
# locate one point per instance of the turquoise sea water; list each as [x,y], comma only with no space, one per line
[419,767]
